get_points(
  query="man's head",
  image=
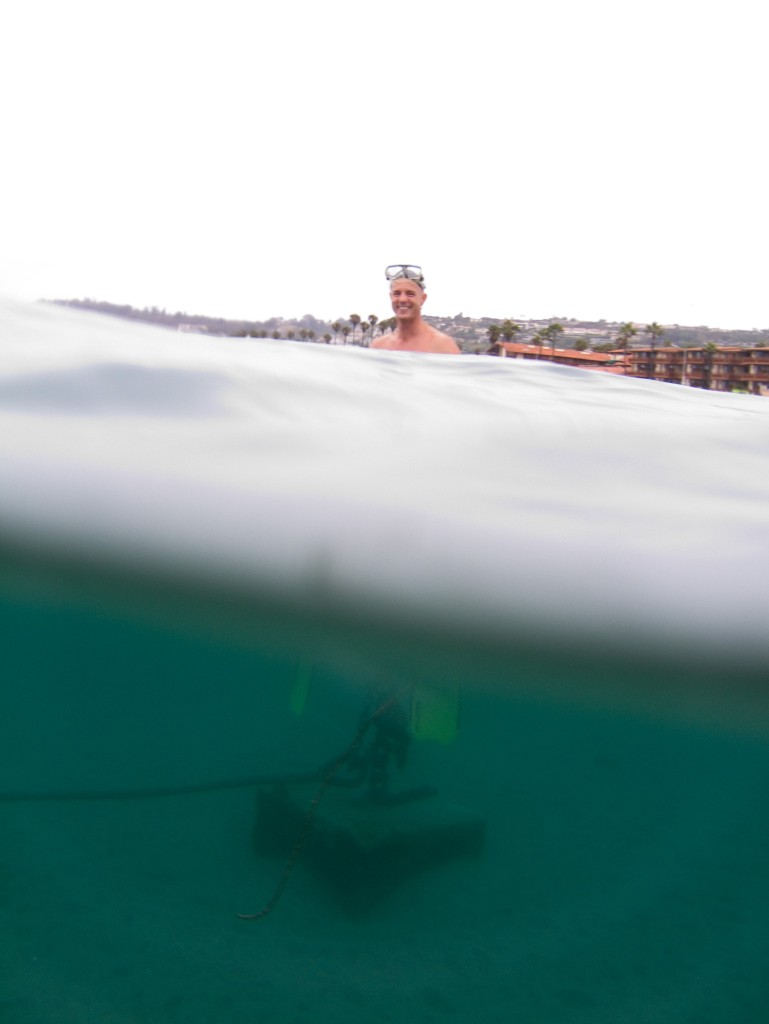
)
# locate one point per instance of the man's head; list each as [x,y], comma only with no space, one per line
[407,289]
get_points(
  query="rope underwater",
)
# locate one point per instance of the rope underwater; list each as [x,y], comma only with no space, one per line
[326,777]
[86,795]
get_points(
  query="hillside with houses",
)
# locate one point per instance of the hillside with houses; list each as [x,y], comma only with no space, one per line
[472,334]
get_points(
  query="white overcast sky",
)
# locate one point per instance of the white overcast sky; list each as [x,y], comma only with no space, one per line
[593,159]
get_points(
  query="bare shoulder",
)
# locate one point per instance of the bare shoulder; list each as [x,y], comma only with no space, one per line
[445,343]
[383,341]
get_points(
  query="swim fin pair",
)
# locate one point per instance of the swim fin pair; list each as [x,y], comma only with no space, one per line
[433,712]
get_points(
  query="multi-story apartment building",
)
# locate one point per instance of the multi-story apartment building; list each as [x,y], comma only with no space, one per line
[718,369]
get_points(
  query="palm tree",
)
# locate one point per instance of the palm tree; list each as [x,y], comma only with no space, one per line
[509,329]
[655,332]
[552,333]
[625,333]
[494,332]
[373,320]
[354,320]
[539,339]
[345,333]
[327,338]
[336,327]
[365,326]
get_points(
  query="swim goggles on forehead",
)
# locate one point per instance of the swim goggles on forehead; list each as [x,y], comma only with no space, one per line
[407,270]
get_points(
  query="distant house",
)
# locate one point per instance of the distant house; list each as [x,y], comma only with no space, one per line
[192,328]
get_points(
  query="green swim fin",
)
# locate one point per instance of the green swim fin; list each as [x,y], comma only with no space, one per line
[435,712]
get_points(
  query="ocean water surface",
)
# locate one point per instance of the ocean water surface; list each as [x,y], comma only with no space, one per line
[219,556]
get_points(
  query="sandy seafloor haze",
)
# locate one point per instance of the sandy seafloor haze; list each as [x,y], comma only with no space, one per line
[184,521]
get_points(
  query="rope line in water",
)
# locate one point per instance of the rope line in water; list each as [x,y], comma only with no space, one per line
[326,779]
[159,792]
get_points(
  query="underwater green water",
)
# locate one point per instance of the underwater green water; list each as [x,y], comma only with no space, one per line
[625,873]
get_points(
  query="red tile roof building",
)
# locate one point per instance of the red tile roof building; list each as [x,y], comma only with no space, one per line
[566,356]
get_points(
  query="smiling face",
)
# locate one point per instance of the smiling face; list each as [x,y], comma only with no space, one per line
[407,298]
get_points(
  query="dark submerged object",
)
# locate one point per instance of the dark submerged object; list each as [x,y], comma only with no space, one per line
[363,849]
[362,845]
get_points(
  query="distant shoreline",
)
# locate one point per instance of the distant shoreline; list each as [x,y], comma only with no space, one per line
[471,333]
